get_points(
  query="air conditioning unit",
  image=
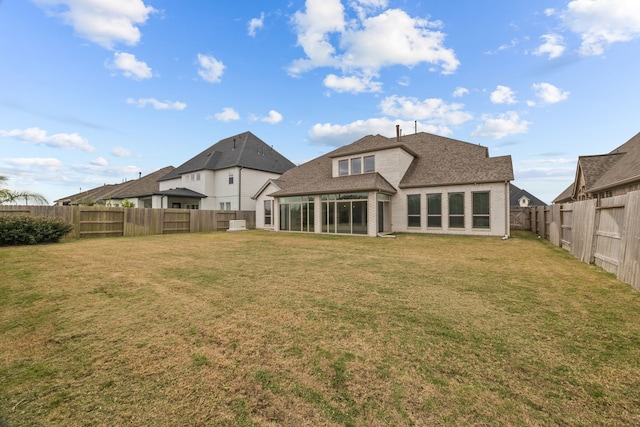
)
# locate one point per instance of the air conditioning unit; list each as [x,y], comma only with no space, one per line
[237,225]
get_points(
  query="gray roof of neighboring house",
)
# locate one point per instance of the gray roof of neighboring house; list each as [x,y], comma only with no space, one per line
[515,194]
[244,150]
[437,161]
[181,192]
[601,172]
[625,169]
[143,186]
[595,167]
[565,196]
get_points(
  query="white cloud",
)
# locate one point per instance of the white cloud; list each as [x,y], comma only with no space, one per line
[460,91]
[47,163]
[503,125]
[256,24]
[395,38]
[434,110]
[553,46]
[364,44]
[121,152]
[59,140]
[273,117]
[211,69]
[503,95]
[158,105]
[352,84]
[337,135]
[97,166]
[602,22]
[100,161]
[549,94]
[314,27]
[105,22]
[228,114]
[130,66]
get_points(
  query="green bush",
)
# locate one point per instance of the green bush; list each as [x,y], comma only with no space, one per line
[31,230]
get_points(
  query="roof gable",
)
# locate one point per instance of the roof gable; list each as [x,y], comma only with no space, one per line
[515,194]
[625,169]
[437,161]
[244,150]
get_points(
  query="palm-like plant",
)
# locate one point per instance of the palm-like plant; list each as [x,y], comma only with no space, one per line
[10,196]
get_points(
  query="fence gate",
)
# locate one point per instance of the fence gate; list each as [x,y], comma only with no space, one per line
[101,223]
[176,221]
[608,245]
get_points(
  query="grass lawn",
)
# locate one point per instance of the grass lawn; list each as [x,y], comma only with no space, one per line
[259,329]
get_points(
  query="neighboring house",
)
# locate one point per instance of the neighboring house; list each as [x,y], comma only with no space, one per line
[420,183]
[606,175]
[222,177]
[137,191]
[521,198]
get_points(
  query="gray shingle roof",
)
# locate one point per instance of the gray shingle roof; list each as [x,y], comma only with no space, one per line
[595,167]
[181,192]
[244,150]
[515,194]
[143,186]
[625,169]
[602,172]
[437,161]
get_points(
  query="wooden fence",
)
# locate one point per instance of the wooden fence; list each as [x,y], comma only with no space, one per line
[607,235]
[113,222]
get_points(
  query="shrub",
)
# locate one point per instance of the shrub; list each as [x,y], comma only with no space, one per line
[31,230]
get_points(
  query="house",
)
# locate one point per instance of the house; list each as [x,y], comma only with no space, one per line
[420,183]
[605,175]
[137,191]
[521,198]
[222,177]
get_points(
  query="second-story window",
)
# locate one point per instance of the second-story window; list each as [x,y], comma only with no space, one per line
[369,164]
[356,165]
[230,178]
[343,167]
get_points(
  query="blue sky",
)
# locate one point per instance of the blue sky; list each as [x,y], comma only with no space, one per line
[96,91]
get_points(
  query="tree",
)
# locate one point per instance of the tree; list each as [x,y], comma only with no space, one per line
[11,196]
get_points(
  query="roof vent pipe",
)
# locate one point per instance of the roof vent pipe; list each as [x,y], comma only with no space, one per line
[398,133]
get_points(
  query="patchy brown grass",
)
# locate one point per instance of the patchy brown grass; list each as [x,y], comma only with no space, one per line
[258,328]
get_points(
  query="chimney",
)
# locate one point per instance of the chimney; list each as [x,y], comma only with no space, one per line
[398,133]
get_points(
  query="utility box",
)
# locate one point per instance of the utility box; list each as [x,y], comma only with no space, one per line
[237,225]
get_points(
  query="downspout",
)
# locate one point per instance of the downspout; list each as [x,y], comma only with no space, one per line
[507,211]
[240,189]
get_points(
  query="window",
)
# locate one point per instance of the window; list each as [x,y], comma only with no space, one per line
[356,165]
[434,210]
[198,176]
[413,210]
[221,206]
[227,206]
[267,212]
[343,167]
[297,213]
[344,213]
[369,164]
[481,210]
[191,206]
[230,178]
[456,210]
[176,205]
